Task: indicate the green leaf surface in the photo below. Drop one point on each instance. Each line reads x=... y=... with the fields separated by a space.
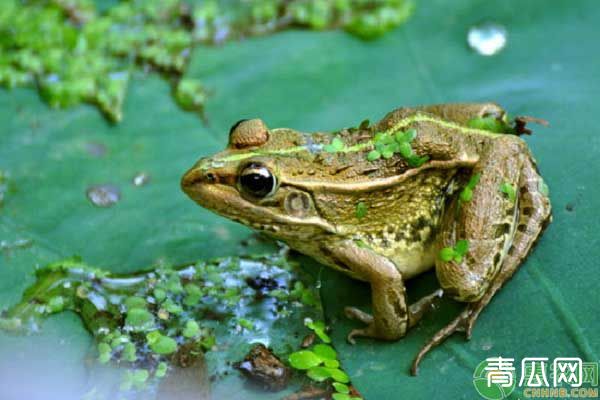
x=316 y=81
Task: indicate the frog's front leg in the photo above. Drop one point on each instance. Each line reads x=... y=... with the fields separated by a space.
x=391 y=316
x=500 y=231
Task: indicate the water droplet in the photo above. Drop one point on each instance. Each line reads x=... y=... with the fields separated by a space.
x=487 y=39
x=141 y=179
x=104 y=195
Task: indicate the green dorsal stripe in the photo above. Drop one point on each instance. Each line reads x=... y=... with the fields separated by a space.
x=403 y=123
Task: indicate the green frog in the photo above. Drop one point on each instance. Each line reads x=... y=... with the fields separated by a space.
x=451 y=187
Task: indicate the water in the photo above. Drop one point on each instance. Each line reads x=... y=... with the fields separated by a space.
x=141 y=179
x=487 y=39
x=104 y=195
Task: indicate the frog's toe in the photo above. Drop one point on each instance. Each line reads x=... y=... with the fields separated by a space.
x=358 y=315
x=368 y=331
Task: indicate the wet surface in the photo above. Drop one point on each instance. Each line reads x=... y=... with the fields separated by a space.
x=105 y=195
x=158 y=325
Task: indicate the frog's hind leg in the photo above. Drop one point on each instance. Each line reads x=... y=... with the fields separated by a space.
x=535 y=214
x=500 y=233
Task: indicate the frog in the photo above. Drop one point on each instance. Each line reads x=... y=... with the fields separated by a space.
x=426 y=187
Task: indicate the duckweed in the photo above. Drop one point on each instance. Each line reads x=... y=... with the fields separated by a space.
x=161 y=344
x=491 y=124
x=455 y=253
x=335 y=146
x=361 y=210
x=318 y=328
x=321 y=364
x=509 y=191
x=139 y=321
x=74 y=53
x=467 y=193
x=388 y=144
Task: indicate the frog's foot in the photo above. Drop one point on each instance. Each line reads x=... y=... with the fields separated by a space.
x=369 y=331
x=359 y=315
x=419 y=308
x=460 y=324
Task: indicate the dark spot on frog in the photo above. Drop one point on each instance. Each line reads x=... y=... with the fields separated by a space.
x=570 y=206
x=264 y=368
x=501 y=229
x=527 y=210
x=421 y=223
x=497 y=258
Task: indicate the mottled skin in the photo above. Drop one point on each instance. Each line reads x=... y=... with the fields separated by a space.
x=412 y=213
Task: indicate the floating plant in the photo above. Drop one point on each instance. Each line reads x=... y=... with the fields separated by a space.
x=143 y=322
x=74 y=53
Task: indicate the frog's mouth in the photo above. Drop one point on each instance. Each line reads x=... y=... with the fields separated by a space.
x=222 y=197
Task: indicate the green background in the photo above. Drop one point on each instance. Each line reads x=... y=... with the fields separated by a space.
x=319 y=81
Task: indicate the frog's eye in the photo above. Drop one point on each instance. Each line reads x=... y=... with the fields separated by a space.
x=257 y=181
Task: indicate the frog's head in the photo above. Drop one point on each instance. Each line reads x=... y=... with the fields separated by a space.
x=252 y=181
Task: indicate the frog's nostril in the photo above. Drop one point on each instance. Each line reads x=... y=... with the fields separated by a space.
x=209 y=177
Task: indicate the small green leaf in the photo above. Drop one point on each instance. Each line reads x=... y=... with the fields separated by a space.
x=325 y=351
x=410 y=135
x=361 y=210
x=245 y=323
x=56 y=304
x=336 y=145
x=490 y=124
x=135 y=302
x=341 y=388
x=159 y=294
x=341 y=396
x=103 y=358
x=509 y=190
x=466 y=195
x=332 y=363
x=319 y=328
x=191 y=329
x=319 y=374
x=161 y=370
x=161 y=344
x=378 y=136
x=446 y=254
x=405 y=150
x=104 y=348
x=139 y=319
x=474 y=180
x=387 y=153
x=416 y=161
x=461 y=247
x=339 y=375
x=373 y=155
x=129 y=352
x=304 y=359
